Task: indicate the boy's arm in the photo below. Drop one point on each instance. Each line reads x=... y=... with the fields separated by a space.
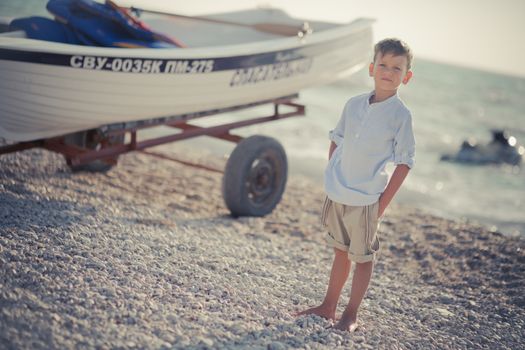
x=399 y=175
x=333 y=146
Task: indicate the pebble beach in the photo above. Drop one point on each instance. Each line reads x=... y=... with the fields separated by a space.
x=147 y=256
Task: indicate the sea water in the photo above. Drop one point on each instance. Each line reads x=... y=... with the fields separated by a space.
x=449 y=104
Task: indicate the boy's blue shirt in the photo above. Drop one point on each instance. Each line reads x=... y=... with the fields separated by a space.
x=368 y=137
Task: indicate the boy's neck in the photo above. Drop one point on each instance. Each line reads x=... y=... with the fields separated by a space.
x=380 y=96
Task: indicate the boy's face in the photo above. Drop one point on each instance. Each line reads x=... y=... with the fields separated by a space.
x=389 y=71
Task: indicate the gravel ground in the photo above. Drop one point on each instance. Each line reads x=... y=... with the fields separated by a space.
x=146 y=256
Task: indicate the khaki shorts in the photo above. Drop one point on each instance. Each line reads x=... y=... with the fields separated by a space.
x=352 y=229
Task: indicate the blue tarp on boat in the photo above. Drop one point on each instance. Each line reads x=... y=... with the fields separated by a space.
x=86 y=22
x=42 y=28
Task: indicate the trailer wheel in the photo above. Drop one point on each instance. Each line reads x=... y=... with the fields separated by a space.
x=255 y=176
x=91 y=140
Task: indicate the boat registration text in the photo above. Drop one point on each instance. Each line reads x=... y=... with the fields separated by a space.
x=241 y=76
x=130 y=65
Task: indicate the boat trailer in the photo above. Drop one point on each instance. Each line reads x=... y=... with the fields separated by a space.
x=255 y=174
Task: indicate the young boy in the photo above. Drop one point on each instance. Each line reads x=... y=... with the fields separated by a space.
x=374 y=129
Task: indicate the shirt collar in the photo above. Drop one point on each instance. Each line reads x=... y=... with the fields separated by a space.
x=382 y=103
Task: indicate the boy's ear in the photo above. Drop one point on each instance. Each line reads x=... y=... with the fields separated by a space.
x=371 y=69
x=407 y=77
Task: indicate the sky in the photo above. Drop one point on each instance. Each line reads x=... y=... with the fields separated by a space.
x=481 y=34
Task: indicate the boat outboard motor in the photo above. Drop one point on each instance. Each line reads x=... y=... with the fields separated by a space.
x=508 y=149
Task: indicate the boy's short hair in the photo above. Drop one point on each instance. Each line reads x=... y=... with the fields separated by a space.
x=394 y=46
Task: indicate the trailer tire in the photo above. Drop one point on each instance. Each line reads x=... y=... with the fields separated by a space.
x=255 y=176
x=90 y=140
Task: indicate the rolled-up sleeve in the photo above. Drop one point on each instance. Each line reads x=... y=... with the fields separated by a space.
x=336 y=135
x=405 y=144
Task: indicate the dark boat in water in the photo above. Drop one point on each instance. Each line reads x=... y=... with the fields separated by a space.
x=503 y=149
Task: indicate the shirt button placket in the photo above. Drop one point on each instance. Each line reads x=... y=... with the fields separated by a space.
x=362 y=124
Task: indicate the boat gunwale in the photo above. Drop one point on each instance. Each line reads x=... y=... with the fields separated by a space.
x=244 y=49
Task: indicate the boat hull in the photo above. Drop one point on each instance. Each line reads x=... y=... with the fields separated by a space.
x=51 y=89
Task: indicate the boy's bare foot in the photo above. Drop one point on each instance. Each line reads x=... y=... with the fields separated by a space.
x=347 y=324
x=320 y=310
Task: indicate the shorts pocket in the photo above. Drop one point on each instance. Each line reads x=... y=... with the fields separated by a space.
x=324 y=212
x=372 y=241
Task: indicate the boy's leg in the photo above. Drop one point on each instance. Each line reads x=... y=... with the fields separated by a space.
x=360 y=282
x=338 y=276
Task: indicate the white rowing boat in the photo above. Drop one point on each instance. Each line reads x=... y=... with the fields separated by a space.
x=49 y=89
